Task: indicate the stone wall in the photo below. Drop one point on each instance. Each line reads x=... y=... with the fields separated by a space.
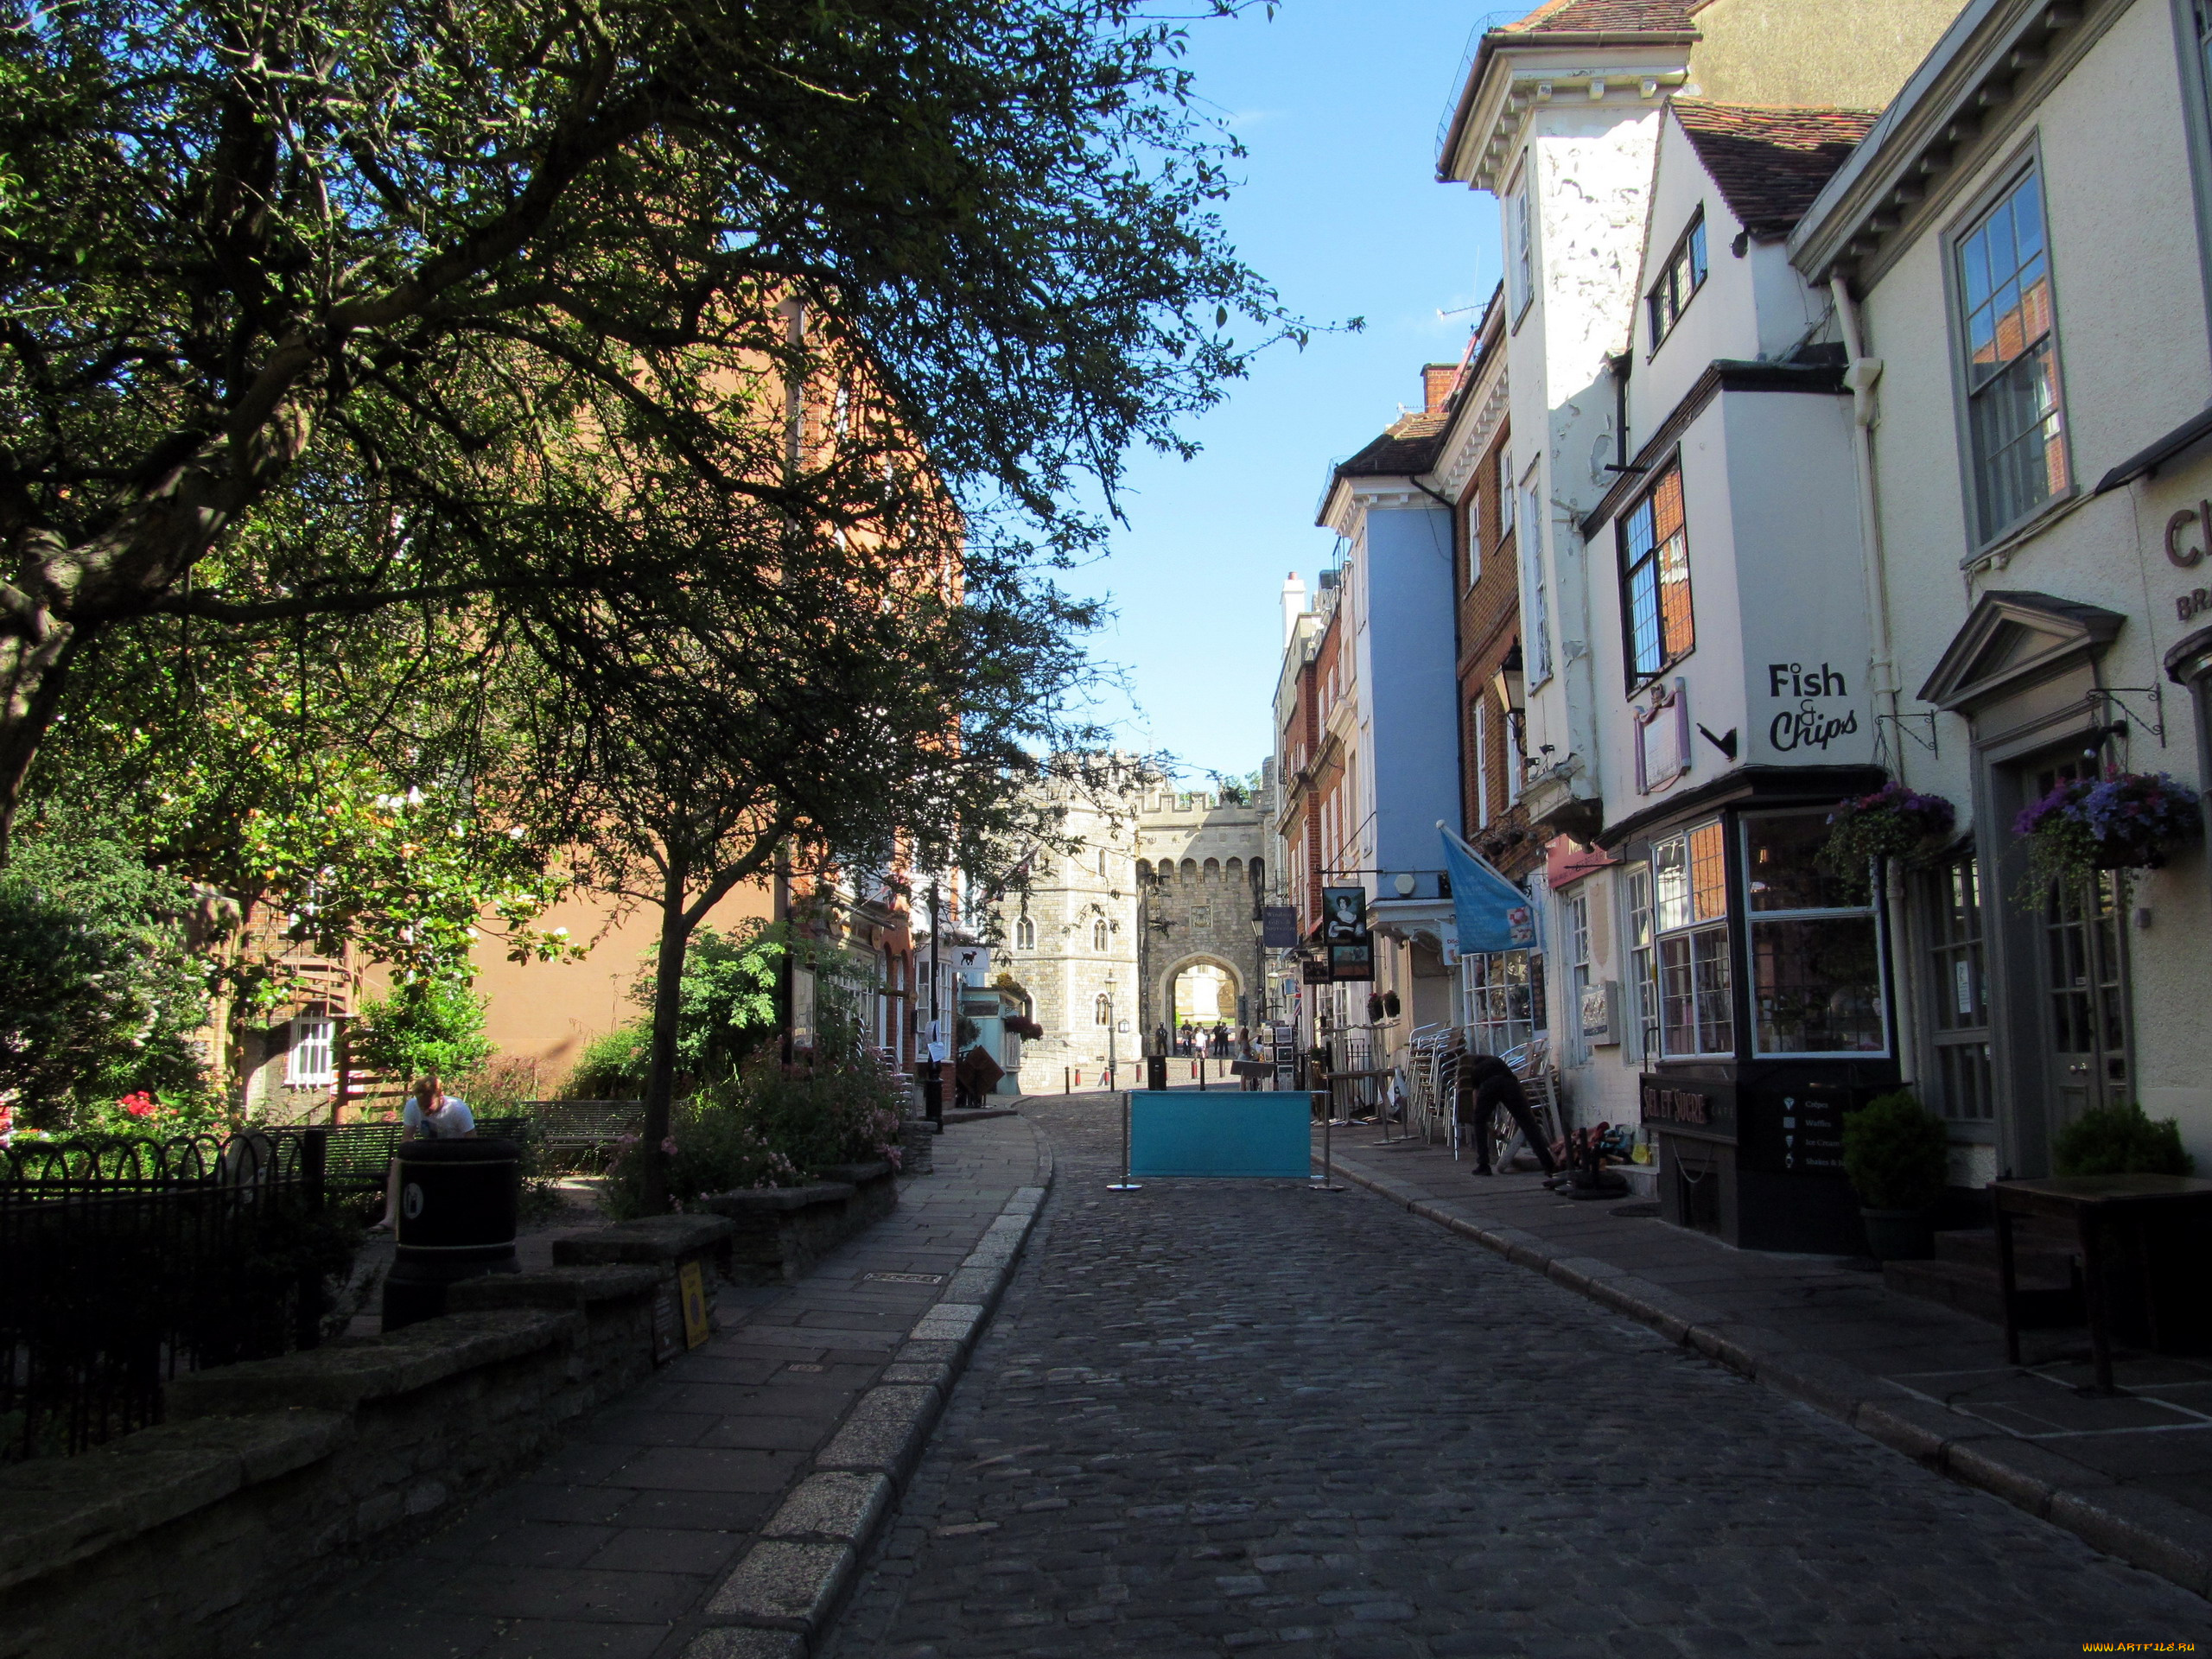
x=1202 y=871
x=1049 y=944
x=271 y=1478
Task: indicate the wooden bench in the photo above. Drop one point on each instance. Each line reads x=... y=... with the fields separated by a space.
x=570 y=1126
x=357 y=1155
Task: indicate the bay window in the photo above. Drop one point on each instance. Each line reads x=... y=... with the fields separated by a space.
x=1816 y=955
x=1689 y=877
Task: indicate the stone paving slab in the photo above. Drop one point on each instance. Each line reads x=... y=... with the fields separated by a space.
x=685 y=1517
x=2130 y=1472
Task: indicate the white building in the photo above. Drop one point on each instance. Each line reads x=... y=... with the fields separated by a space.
x=2023 y=239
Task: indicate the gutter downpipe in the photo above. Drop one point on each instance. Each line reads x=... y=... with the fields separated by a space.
x=1863 y=374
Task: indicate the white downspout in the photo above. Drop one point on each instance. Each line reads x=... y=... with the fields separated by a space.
x=1862 y=375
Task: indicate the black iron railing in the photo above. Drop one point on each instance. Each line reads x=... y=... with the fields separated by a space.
x=124 y=1262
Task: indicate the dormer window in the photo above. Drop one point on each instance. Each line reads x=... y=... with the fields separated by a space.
x=1683 y=275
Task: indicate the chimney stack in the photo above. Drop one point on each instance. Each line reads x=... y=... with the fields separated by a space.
x=1437 y=380
x=1293 y=607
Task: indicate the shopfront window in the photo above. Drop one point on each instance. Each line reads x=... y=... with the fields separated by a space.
x=1506 y=999
x=1690 y=882
x=1816 y=967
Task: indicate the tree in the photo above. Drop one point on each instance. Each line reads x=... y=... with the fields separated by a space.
x=322 y=784
x=857 y=700
x=97 y=991
x=299 y=254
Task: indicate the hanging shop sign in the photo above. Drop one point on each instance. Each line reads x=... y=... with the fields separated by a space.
x=1279 y=927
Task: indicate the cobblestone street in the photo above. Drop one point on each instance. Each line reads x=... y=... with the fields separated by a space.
x=1219 y=1418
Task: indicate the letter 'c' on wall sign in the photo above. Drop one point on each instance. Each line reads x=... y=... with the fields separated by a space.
x=2178 y=529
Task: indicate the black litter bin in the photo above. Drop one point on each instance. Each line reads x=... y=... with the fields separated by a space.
x=457 y=1202
x=1155 y=1071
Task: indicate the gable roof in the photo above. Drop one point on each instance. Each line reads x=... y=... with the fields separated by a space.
x=1606 y=17
x=1770 y=161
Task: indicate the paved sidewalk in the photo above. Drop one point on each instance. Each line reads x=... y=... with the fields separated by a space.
x=2130 y=1473
x=611 y=1546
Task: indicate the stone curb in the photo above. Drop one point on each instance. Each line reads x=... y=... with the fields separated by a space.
x=2139 y=1526
x=780 y=1597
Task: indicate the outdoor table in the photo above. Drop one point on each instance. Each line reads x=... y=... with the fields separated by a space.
x=2093 y=1204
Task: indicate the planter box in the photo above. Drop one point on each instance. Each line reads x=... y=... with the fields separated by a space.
x=781 y=1231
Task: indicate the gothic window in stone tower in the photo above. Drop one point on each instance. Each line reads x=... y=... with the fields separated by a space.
x=1025 y=935
x=1102 y=1012
x=1098 y=936
x=1101 y=861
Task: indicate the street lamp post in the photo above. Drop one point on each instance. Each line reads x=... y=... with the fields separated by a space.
x=1111 y=1015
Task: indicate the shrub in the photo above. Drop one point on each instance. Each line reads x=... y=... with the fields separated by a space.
x=762 y=1128
x=611 y=1067
x=98 y=995
x=425 y=1025
x=502 y=1086
x=2121 y=1141
x=1895 y=1153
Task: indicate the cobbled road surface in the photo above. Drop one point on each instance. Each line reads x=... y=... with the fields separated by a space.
x=1235 y=1418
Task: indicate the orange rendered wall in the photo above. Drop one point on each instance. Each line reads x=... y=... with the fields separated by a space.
x=547 y=1011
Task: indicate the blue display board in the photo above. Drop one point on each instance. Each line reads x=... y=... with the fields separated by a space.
x=1224 y=1134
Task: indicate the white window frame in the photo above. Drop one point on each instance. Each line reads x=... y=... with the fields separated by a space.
x=1986 y=531
x=311 y=1052
x=1474 y=521
x=1521 y=239
x=1535 y=584
x=1506 y=486
x=1642 y=959
x=1754 y=918
x=1578 y=965
x=1692 y=257
x=1480 y=704
x=1693 y=929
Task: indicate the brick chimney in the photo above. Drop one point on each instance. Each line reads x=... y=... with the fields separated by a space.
x=1437 y=380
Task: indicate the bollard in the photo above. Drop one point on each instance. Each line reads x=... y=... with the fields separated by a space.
x=1125 y=1184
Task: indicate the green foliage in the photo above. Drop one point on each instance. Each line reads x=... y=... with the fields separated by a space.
x=1895 y=1153
x=98 y=992
x=611 y=1066
x=727 y=998
x=425 y=1025
x=396 y=261
x=761 y=1128
x=2121 y=1141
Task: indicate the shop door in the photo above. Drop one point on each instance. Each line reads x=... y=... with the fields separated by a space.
x=2083 y=969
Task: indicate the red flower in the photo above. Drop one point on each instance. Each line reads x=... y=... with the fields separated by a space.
x=140 y=1104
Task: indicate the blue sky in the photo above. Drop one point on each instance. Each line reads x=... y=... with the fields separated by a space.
x=1339 y=105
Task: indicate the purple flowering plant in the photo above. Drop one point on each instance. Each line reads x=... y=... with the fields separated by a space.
x=1893 y=822
x=2124 y=821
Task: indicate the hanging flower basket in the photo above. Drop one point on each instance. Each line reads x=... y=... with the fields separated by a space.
x=1893 y=822
x=2129 y=821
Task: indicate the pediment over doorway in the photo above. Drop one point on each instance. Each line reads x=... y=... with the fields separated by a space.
x=2015 y=638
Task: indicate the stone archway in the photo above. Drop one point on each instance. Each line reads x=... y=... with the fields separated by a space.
x=1164 y=1000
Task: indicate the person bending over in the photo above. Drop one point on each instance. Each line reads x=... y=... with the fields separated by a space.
x=1486 y=1083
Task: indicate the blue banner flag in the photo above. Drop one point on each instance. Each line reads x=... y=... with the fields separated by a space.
x=1492 y=914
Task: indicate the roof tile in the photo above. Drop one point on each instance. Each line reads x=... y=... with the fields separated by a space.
x=1607 y=17
x=1770 y=161
x=1409 y=446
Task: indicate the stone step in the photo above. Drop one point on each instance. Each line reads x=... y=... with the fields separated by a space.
x=2046 y=1298
x=2034 y=1250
